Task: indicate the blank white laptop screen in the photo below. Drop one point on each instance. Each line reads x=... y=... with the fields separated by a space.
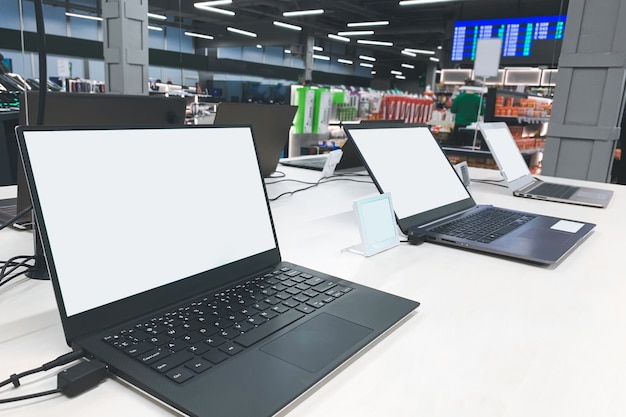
x=505 y=150
x=108 y=195
x=409 y=164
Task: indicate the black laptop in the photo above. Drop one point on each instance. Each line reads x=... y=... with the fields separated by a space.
x=350 y=160
x=202 y=315
x=270 y=125
x=432 y=203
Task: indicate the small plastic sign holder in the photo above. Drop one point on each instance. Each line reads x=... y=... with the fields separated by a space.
x=377 y=225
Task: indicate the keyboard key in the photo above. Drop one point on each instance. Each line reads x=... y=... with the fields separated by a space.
x=180 y=375
x=198 y=364
x=230 y=348
x=153 y=355
x=172 y=361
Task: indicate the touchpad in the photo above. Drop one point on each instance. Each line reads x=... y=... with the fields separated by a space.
x=314 y=344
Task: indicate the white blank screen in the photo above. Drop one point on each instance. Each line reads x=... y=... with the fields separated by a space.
x=408 y=163
x=134 y=209
x=506 y=152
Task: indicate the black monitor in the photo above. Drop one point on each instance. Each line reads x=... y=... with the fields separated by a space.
x=81 y=109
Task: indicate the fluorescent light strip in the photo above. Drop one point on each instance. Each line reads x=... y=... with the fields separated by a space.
x=83 y=16
x=373 y=72
x=157 y=16
x=409 y=66
x=379 y=43
x=418 y=2
x=216 y=10
x=303 y=12
x=259 y=46
x=198 y=35
x=405 y=52
x=202 y=4
x=432 y=58
x=287 y=51
x=286 y=25
x=345 y=61
x=367 y=58
x=338 y=38
x=361 y=24
x=365 y=64
x=356 y=33
x=241 y=32
x=420 y=51
x=158 y=29
x=321 y=57
x=394 y=72
x=400 y=77
x=318 y=48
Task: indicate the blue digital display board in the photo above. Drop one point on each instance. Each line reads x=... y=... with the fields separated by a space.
x=519 y=35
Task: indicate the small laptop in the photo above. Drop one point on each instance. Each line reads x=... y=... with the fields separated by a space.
x=350 y=159
x=431 y=203
x=203 y=315
x=270 y=124
x=522 y=183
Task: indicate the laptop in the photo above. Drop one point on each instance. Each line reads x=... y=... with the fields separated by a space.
x=522 y=183
x=432 y=204
x=204 y=316
x=350 y=160
x=270 y=124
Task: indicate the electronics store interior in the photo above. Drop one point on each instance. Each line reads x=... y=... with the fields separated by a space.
x=285 y=208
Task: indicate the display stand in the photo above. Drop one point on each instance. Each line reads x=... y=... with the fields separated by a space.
x=377 y=225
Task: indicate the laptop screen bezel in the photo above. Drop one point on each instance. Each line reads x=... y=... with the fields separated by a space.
x=108 y=315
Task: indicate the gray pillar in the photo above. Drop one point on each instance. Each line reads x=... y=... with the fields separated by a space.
x=126 y=46
x=431 y=75
x=308 y=58
x=587 y=107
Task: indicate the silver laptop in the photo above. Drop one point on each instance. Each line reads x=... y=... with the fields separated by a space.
x=203 y=316
x=432 y=204
x=523 y=184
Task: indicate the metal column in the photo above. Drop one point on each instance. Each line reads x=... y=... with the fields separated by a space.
x=126 y=46
x=589 y=95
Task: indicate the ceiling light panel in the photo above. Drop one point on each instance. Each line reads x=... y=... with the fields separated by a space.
x=338 y=38
x=286 y=25
x=199 y=35
x=356 y=33
x=378 y=43
x=241 y=32
x=366 y=24
x=303 y=12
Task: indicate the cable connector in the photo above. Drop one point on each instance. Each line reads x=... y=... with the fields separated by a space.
x=81 y=377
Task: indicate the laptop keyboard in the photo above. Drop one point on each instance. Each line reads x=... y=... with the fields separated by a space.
x=486 y=225
x=554 y=190
x=309 y=163
x=190 y=339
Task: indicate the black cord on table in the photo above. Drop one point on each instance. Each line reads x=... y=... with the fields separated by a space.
x=16 y=217
x=29 y=396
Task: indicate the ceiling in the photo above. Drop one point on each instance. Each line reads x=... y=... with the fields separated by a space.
x=427 y=26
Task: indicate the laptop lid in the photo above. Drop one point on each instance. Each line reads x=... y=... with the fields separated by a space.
x=270 y=124
x=207 y=223
x=403 y=160
x=506 y=154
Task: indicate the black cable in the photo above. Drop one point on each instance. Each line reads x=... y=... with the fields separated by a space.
x=322 y=180
x=16 y=217
x=5 y=275
x=29 y=396
x=61 y=360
